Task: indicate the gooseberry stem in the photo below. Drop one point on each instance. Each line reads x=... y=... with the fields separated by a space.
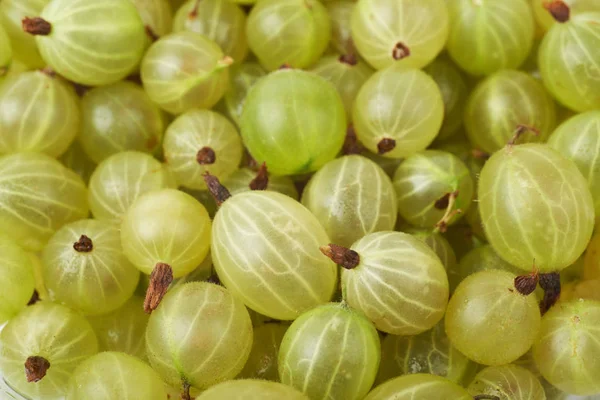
x=520 y=131
x=448 y=200
x=342 y=256
x=261 y=181
x=35 y=297
x=217 y=191
x=160 y=280
x=185 y=392
x=550 y=282
x=36 y=368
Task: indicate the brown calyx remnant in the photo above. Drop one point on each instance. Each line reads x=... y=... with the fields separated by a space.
x=520 y=131
x=386 y=145
x=36 y=368
x=559 y=9
x=351 y=143
x=485 y=397
x=286 y=66
x=36 y=26
x=151 y=34
x=526 y=284
x=349 y=59
x=217 y=191
x=83 y=245
x=194 y=12
x=448 y=200
x=400 y=51
x=160 y=279
x=185 y=392
x=261 y=181
x=35 y=297
x=550 y=282
x=342 y=256
x=206 y=156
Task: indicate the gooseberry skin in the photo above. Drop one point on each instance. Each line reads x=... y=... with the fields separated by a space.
x=219 y=20
x=92 y=43
x=379 y=25
x=296 y=33
x=419 y=386
x=535 y=205
x=352 y=197
x=294 y=121
x=330 y=352
x=507 y=27
x=578 y=139
x=38 y=113
x=569 y=61
x=340 y=14
x=156 y=15
x=38 y=195
x=112 y=375
x=117 y=118
x=262 y=362
x=185 y=70
x=77 y=161
x=501 y=103
x=242 y=78
x=251 y=389
x=265 y=249
x=424 y=178
x=61 y=336
x=546 y=21
x=166 y=226
x=16 y=279
x=487 y=313
x=193 y=131
x=199 y=334
x=239 y=182
x=401 y=104
x=400 y=284
x=507 y=382
x=438 y=244
x=94 y=282
x=567 y=351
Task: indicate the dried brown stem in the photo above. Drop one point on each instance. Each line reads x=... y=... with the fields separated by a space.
x=349 y=59
x=261 y=181
x=194 y=12
x=342 y=256
x=217 y=191
x=151 y=34
x=36 y=368
x=386 y=145
x=442 y=224
x=559 y=9
x=185 y=391
x=35 y=297
x=550 y=282
x=480 y=154
x=351 y=143
x=160 y=279
x=400 y=51
x=36 y=26
x=520 y=131
x=526 y=284
x=206 y=156
x=83 y=245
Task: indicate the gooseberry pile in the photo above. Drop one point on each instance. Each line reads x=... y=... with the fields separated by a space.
x=299 y=199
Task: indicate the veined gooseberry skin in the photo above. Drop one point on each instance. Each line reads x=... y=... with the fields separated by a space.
x=111 y=375
x=239 y=182
x=507 y=382
x=487 y=313
x=124 y=329
x=193 y=132
x=166 y=226
x=419 y=386
x=330 y=352
x=567 y=351
x=39 y=113
x=410 y=33
x=476 y=26
x=501 y=103
x=400 y=284
x=200 y=334
x=535 y=205
x=24 y=45
x=117 y=118
x=122 y=178
x=262 y=362
x=185 y=70
x=401 y=104
x=583 y=289
x=424 y=178
x=78 y=161
x=569 y=61
x=92 y=43
x=546 y=21
x=93 y=275
x=6 y=53
x=351 y=196
x=346 y=74
x=38 y=195
x=340 y=15
x=251 y=389
x=438 y=244
x=297 y=32
x=61 y=336
x=454 y=90
x=265 y=249
x=294 y=121
x=578 y=139
x=219 y=20
x=242 y=78
x=156 y=15
x=17 y=279
x=429 y=352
